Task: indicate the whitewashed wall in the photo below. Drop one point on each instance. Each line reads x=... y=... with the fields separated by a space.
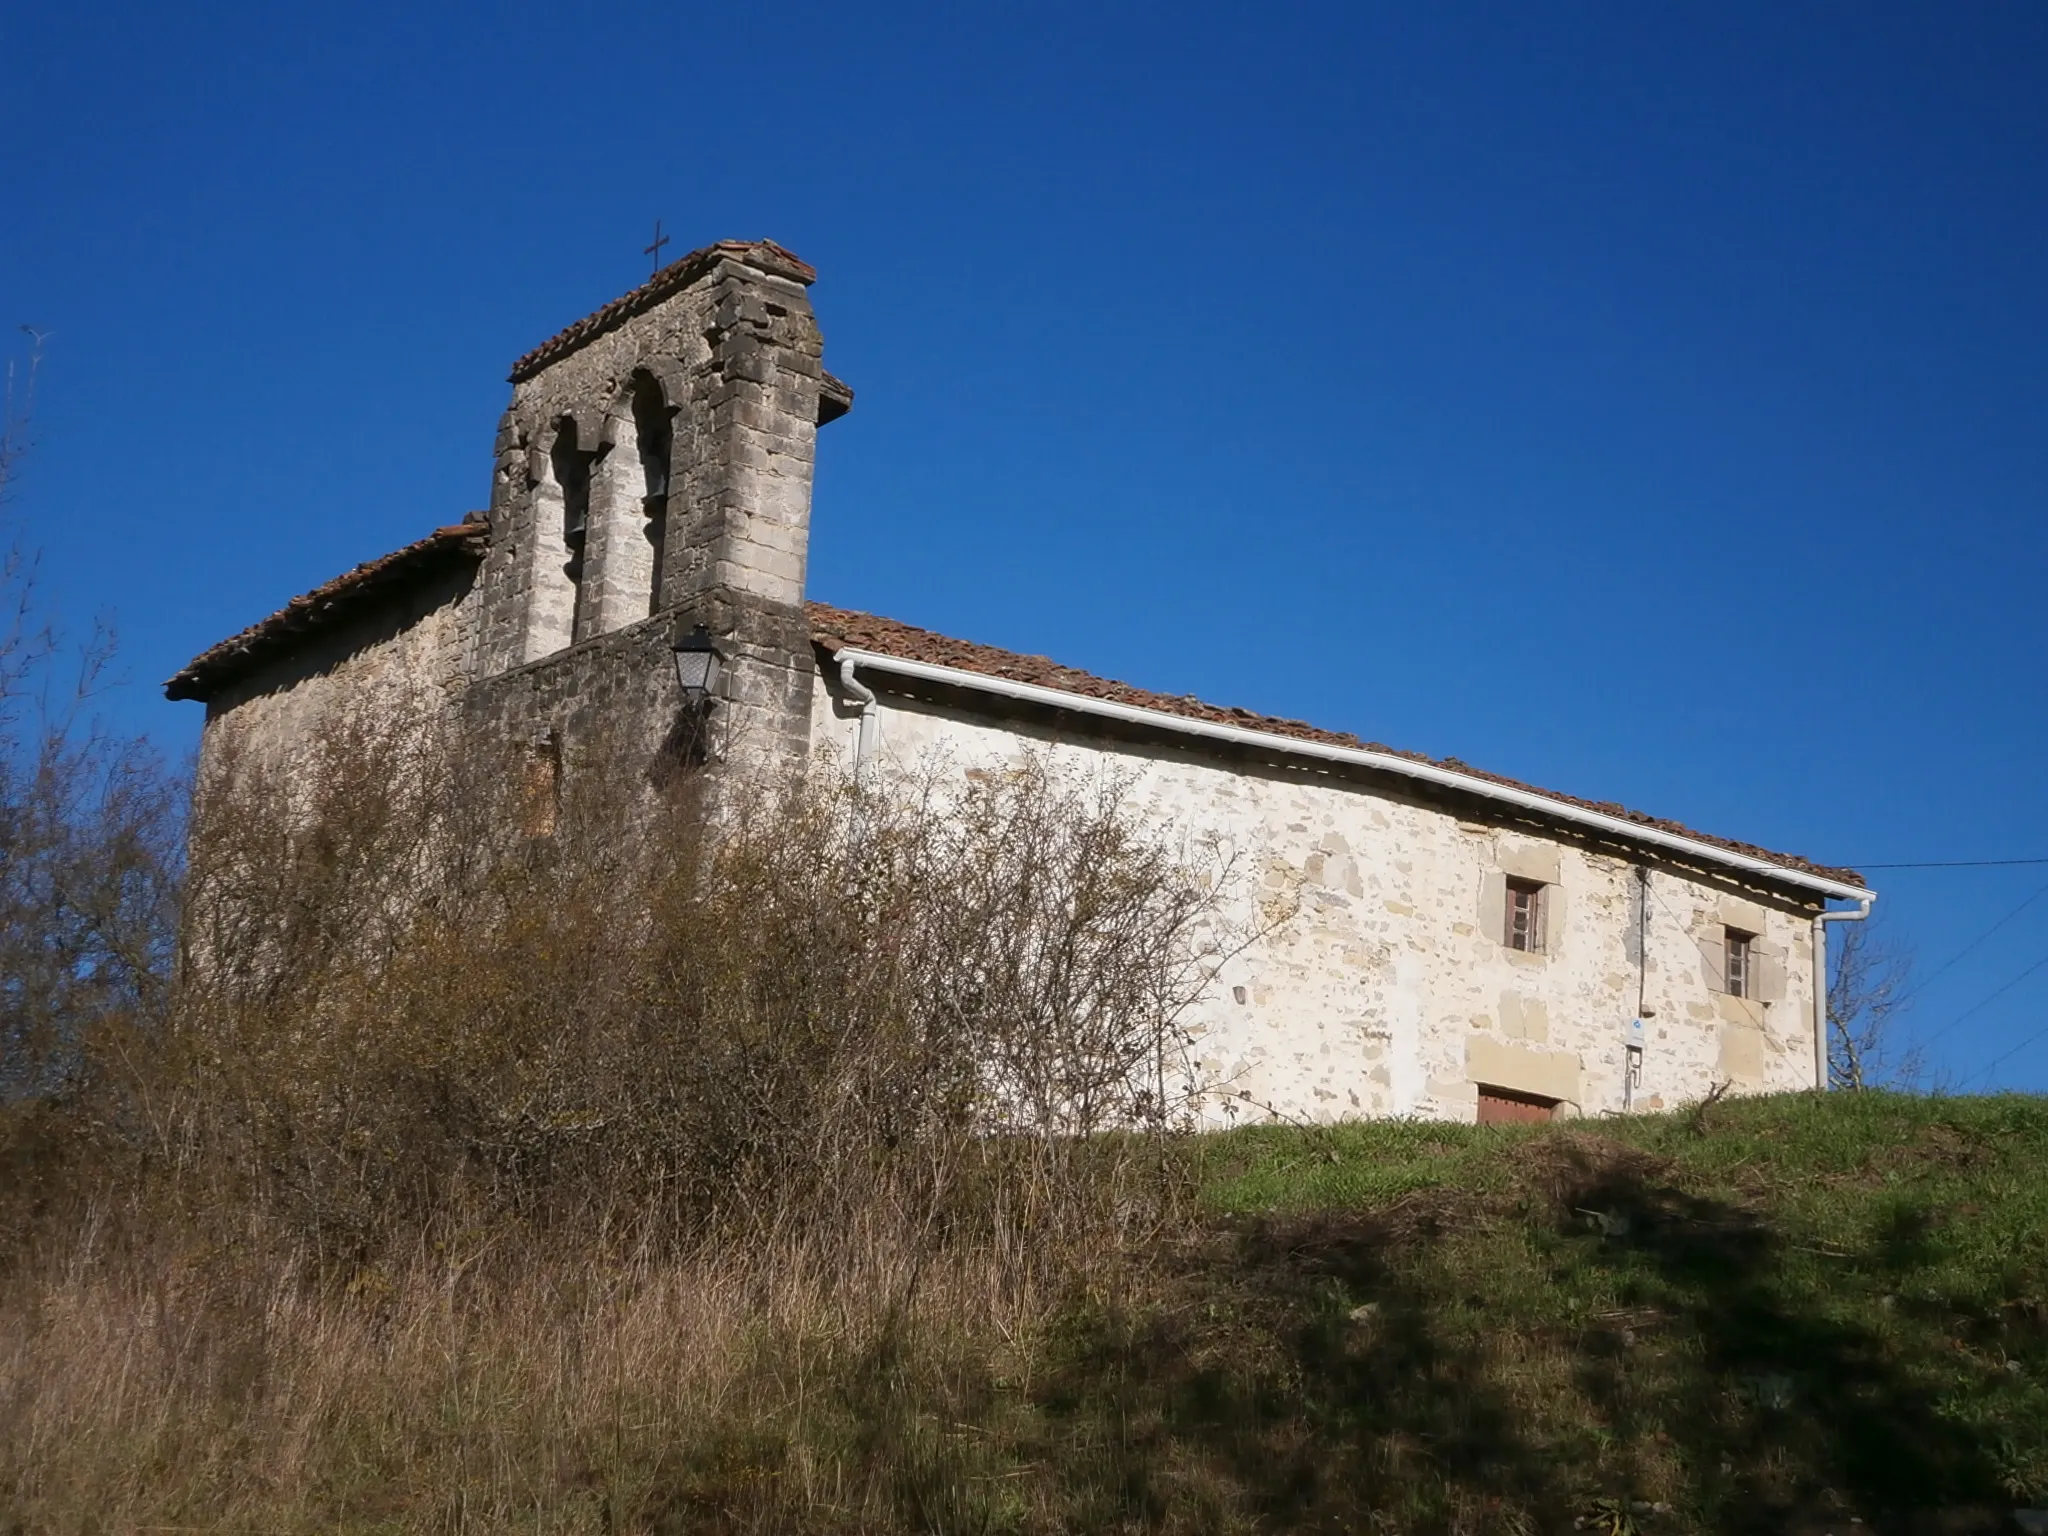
x=1389 y=991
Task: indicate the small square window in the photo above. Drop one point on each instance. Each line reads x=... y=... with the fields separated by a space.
x=1524 y=926
x=1741 y=963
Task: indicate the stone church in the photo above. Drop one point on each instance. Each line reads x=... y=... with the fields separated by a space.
x=1463 y=946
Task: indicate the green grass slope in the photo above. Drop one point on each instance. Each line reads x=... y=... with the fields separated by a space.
x=1771 y=1314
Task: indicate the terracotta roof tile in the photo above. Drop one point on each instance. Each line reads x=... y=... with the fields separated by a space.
x=345 y=596
x=837 y=628
x=764 y=254
x=834 y=629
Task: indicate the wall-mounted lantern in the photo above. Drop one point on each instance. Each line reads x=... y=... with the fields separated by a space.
x=698 y=665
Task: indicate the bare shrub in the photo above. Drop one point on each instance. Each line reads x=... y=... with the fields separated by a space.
x=514 y=1140
x=90 y=852
x=1869 y=985
x=402 y=1001
x=89 y=868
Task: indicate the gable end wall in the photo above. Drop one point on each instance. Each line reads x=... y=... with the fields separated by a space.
x=411 y=654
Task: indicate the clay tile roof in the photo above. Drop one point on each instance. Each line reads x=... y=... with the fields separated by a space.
x=346 y=595
x=835 y=629
x=763 y=254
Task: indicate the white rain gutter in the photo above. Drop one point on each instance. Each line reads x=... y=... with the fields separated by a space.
x=1386 y=762
x=1820 y=982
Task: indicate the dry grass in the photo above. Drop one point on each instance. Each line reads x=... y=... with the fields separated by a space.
x=473 y=1387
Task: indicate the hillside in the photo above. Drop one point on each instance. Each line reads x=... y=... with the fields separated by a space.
x=1771 y=1315
x=1781 y=1308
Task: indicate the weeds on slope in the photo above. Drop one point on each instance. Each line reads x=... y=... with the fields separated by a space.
x=503 y=1141
x=816 y=1166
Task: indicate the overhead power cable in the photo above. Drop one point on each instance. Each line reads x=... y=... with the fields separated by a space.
x=1950 y=864
x=1998 y=1061
x=1921 y=985
x=1978 y=1007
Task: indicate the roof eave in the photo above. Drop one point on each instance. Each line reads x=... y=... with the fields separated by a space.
x=1613 y=826
x=762 y=255
x=239 y=654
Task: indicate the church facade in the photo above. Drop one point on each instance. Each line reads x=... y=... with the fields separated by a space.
x=1455 y=945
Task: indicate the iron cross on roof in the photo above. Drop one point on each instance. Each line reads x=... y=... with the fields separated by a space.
x=654 y=250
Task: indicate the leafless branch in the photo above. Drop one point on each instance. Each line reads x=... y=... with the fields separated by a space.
x=1868 y=983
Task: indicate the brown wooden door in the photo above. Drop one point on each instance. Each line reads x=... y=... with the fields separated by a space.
x=1501 y=1106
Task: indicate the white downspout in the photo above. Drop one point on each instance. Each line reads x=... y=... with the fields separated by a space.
x=864 y=743
x=1820 y=984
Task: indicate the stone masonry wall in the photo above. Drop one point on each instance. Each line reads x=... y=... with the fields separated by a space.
x=617 y=692
x=1390 y=991
x=562 y=637
x=736 y=358
x=414 y=654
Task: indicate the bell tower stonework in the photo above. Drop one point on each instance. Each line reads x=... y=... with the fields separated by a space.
x=653 y=474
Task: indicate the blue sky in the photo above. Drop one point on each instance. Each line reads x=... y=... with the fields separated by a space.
x=1646 y=402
